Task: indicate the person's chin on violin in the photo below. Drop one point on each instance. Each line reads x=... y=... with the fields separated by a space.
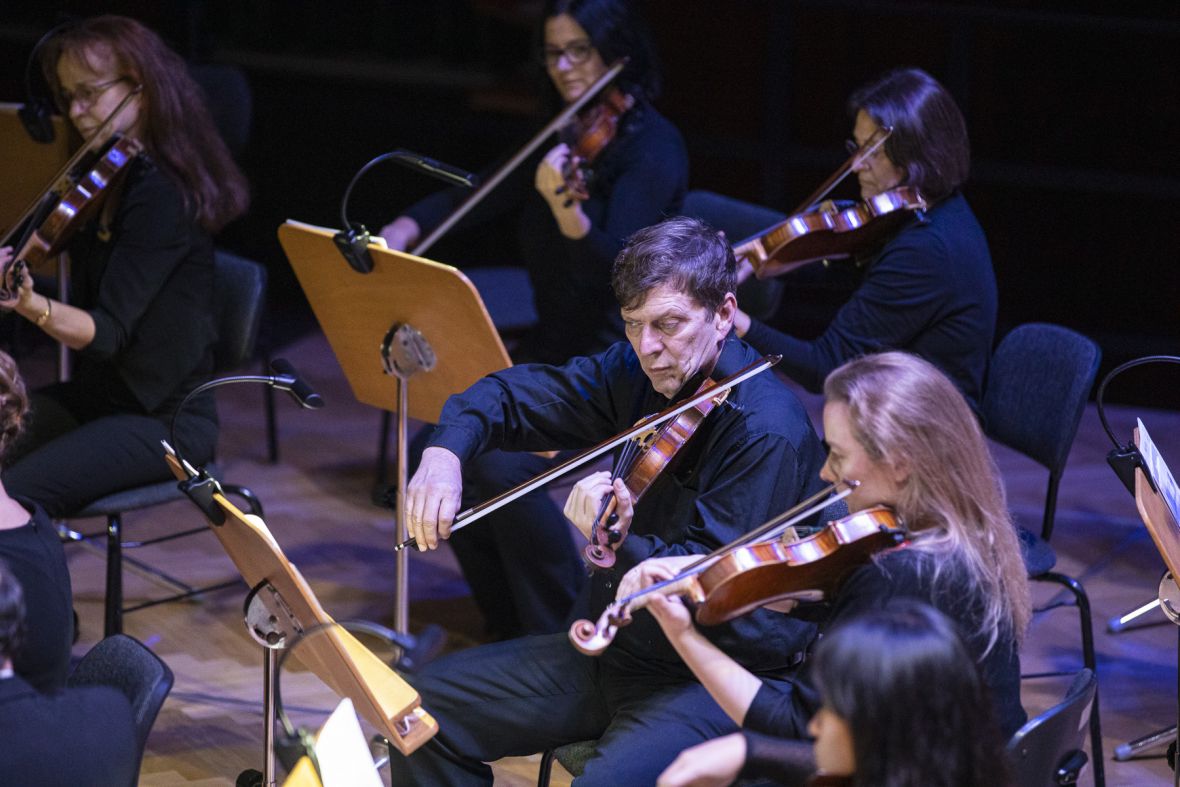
x=569 y=224
x=930 y=289
x=141 y=307
x=523 y=567
x=897 y=425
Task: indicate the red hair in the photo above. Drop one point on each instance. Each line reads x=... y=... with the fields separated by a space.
x=178 y=131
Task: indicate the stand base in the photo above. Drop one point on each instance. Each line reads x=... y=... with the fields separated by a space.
x=1146 y=743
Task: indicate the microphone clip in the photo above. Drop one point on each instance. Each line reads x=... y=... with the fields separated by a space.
x=1123 y=461
x=353 y=245
x=200 y=489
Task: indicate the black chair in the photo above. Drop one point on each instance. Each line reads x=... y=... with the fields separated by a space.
x=1037 y=386
x=124 y=663
x=240 y=287
x=1048 y=749
x=572 y=756
x=740 y=220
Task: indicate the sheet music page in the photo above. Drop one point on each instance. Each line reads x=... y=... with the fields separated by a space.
x=1159 y=472
x=343 y=753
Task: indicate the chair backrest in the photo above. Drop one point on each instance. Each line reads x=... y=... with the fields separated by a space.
x=125 y=664
x=230 y=102
x=1036 y=390
x=739 y=220
x=1048 y=748
x=239 y=292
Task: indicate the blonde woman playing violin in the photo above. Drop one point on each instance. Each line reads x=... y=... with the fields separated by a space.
x=896 y=424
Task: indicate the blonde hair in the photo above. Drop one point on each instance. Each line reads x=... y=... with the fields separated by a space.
x=14 y=403
x=906 y=414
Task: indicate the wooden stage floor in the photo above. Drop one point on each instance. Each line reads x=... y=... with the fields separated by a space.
x=318 y=506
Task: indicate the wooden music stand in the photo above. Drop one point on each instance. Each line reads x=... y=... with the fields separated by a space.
x=28 y=166
x=408 y=317
x=280 y=606
x=1158 y=499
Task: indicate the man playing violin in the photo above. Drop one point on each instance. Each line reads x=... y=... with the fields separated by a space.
x=930 y=289
x=751 y=458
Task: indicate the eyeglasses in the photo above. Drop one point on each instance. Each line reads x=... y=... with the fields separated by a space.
x=576 y=52
x=86 y=95
x=872 y=147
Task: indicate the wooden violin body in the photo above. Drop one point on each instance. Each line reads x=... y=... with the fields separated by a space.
x=654 y=451
x=753 y=575
x=588 y=135
x=79 y=203
x=830 y=231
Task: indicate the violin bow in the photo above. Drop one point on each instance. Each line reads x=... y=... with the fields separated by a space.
x=464 y=518
x=86 y=147
x=520 y=156
x=871 y=146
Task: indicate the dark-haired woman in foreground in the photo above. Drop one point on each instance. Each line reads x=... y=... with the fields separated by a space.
x=140 y=314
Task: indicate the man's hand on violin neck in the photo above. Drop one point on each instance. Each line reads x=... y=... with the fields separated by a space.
x=586 y=499
x=432 y=497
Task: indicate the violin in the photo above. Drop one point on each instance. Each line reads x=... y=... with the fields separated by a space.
x=825 y=230
x=587 y=136
x=745 y=577
x=71 y=199
x=642 y=461
x=563 y=118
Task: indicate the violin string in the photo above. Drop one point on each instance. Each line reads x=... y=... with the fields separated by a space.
x=812 y=505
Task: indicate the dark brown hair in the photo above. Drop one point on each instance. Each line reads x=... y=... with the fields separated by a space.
x=178 y=131
x=929 y=139
x=14 y=403
x=682 y=252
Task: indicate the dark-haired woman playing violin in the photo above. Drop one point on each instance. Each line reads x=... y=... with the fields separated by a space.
x=930 y=289
x=566 y=242
x=140 y=313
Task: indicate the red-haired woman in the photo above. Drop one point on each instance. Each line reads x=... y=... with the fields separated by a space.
x=140 y=313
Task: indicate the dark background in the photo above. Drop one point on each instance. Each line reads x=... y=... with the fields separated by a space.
x=1073 y=111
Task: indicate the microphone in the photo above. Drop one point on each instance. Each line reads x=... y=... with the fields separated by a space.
x=37 y=119
x=287 y=379
x=435 y=168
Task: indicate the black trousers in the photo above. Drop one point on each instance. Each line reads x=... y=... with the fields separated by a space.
x=76 y=449
x=524 y=696
x=521 y=561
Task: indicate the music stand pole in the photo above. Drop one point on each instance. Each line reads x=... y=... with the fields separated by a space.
x=429 y=322
x=404 y=353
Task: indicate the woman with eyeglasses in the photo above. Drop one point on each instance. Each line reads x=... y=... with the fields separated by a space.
x=566 y=242
x=140 y=314
x=930 y=289
x=522 y=564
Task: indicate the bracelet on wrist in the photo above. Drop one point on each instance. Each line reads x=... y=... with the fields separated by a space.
x=43 y=317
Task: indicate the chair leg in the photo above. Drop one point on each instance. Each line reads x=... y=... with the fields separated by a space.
x=113 y=609
x=1090 y=660
x=545 y=769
